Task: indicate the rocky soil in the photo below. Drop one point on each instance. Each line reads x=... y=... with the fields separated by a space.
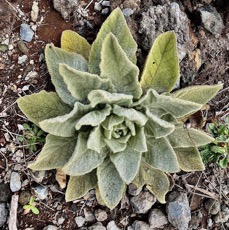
x=196 y=200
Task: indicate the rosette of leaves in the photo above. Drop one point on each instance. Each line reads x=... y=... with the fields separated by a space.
x=106 y=128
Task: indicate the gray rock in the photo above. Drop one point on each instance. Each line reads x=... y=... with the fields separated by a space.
x=66 y=7
x=61 y=220
x=22 y=59
x=80 y=221
x=157 y=218
x=106 y=3
x=97 y=226
x=127 y=12
x=97 y=6
x=100 y=215
x=133 y=190
x=178 y=210
x=38 y=176
x=105 y=11
x=142 y=202
x=3 y=214
x=50 y=227
x=158 y=19
x=112 y=226
x=89 y=216
x=5 y=192
x=212 y=206
x=140 y=225
x=211 y=19
x=26 y=33
x=41 y=192
x=15 y=182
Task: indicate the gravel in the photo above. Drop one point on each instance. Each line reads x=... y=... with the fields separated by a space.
x=15 y=182
x=142 y=202
x=3 y=214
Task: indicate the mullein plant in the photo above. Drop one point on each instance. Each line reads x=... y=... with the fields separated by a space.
x=106 y=129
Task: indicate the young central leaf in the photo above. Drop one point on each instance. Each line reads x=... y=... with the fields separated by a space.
x=116 y=66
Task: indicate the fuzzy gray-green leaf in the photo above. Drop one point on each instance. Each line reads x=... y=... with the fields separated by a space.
x=189 y=159
x=116 y=67
x=131 y=114
x=177 y=107
x=182 y=137
x=64 y=126
x=127 y=163
x=55 y=153
x=43 y=105
x=161 y=155
x=96 y=140
x=103 y=97
x=157 y=182
x=157 y=127
x=200 y=94
x=54 y=56
x=78 y=186
x=93 y=118
x=161 y=70
x=83 y=160
x=115 y=24
x=138 y=141
x=110 y=184
x=80 y=84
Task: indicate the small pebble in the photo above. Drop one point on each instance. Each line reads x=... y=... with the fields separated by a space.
x=15 y=182
x=79 y=221
x=105 y=11
x=100 y=215
x=22 y=46
x=127 y=12
x=112 y=226
x=22 y=59
x=106 y=3
x=98 y=6
x=41 y=192
x=61 y=220
x=26 y=33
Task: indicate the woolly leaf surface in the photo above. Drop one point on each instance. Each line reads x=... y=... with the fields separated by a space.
x=189 y=159
x=157 y=182
x=161 y=70
x=83 y=160
x=177 y=107
x=116 y=67
x=73 y=42
x=103 y=97
x=182 y=137
x=96 y=140
x=127 y=163
x=131 y=114
x=93 y=118
x=43 y=105
x=161 y=155
x=157 y=127
x=199 y=94
x=54 y=56
x=80 y=84
x=55 y=153
x=65 y=125
x=115 y=24
x=138 y=141
x=110 y=184
x=78 y=186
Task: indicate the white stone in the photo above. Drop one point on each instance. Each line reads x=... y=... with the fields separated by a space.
x=15 y=182
x=80 y=221
x=22 y=59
